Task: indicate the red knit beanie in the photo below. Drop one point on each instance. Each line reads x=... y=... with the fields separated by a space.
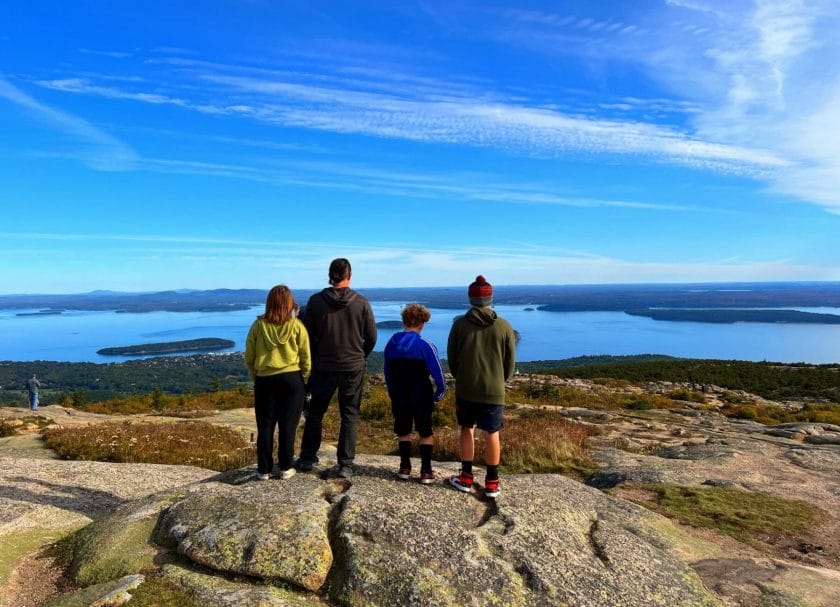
x=480 y=292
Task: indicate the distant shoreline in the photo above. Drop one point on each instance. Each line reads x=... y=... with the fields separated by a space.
x=733 y=316
x=171 y=347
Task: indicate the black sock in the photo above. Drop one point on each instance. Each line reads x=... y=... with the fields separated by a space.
x=492 y=473
x=466 y=466
x=425 y=458
x=405 y=454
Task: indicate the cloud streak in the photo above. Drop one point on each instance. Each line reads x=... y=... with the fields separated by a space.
x=453 y=117
x=90 y=144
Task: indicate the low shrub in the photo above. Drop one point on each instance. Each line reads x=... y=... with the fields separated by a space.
x=191 y=443
x=688 y=395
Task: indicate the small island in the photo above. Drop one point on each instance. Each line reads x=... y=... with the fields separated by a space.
x=171 y=347
x=389 y=324
x=48 y=312
x=729 y=315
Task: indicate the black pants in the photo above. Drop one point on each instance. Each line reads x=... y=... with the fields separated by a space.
x=322 y=386
x=278 y=401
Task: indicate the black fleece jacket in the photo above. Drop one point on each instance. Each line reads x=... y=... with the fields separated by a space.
x=342 y=330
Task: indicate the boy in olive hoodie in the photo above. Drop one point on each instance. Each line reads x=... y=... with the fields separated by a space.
x=481 y=352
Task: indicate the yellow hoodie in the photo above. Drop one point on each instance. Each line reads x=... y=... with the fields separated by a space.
x=272 y=349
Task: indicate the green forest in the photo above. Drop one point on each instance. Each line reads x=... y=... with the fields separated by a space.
x=93 y=382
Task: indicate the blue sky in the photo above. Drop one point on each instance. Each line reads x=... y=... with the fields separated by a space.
x=153 y=145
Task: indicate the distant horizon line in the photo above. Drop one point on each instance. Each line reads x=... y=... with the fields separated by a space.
x=458 y=286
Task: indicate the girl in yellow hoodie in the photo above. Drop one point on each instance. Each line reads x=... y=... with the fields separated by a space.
x=277 y=356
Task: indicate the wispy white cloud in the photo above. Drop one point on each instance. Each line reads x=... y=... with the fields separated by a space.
x=90 y=144
x=755 y=74
x=290 y=100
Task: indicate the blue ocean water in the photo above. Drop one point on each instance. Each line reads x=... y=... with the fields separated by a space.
x=75 y=336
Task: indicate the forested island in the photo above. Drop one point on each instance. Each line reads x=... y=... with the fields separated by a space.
x=389 y=324
x=726 y=316
x=190 y=345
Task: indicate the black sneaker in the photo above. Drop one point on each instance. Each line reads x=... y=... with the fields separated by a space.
x=304 y=465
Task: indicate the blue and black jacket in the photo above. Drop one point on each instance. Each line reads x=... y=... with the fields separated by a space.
x=410 y=360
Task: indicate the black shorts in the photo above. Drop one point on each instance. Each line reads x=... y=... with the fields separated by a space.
x=487 y=417
x=412 y=414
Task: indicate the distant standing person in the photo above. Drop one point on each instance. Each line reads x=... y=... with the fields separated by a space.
x=278 y=358
x=481 y=353
x=415 y=383
x=343 y=332
x=33 y=385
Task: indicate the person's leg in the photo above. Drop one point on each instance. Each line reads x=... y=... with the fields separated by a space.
x=322 y=387
x=290 y=408
x=467 y=447
x=423 y=424
x=264 y=410
x=402 y=428
x=349 y=403
x=492 y=448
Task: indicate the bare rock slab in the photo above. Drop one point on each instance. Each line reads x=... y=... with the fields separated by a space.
x=400 y=543
x=270 y=530
x=547 y=540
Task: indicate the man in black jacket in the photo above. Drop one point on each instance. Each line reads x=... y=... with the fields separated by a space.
x=342 y=332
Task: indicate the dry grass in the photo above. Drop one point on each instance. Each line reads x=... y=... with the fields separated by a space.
x=191 y=443
x=543 y=393
x=533 y=440
x=183 y=405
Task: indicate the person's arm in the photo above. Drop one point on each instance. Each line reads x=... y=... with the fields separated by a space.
x=452 y=350
x=430 y=355
x=510 y=352
x=303 y=352
x=251 y=351
x=368 y=330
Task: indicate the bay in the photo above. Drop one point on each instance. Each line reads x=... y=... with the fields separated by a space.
x=75 y=336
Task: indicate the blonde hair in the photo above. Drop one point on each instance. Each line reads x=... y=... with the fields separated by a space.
x=280 y=305
x=414 y=315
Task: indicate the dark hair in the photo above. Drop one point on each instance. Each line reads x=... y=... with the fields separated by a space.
x=279 y=305
x=414 y=315
x=339 y=270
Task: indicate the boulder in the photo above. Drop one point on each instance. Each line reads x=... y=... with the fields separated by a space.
x=547 y=540
x=270 y=530
x=107 y=594
x=216 y=591
x=120 y=543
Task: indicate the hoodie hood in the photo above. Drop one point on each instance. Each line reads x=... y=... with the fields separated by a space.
x=483 y=317
x=275 y=335
x=338 y=298
x=403 y=343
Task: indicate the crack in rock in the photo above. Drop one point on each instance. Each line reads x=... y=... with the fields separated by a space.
x=597 y=548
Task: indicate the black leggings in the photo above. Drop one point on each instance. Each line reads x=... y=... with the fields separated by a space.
x=278 y=401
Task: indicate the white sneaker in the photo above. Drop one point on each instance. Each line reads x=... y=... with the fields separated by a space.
x=262 y=477
x=287 y=474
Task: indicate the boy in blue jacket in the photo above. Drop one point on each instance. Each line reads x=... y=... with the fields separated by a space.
x=415 y=382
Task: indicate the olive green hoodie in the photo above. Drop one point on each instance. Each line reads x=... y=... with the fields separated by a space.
x=481 y=353
x=271 y=349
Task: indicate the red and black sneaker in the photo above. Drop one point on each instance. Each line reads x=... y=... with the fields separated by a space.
x=404 y=473
x=492 y=487
x=427 y=477
x=462 y=482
